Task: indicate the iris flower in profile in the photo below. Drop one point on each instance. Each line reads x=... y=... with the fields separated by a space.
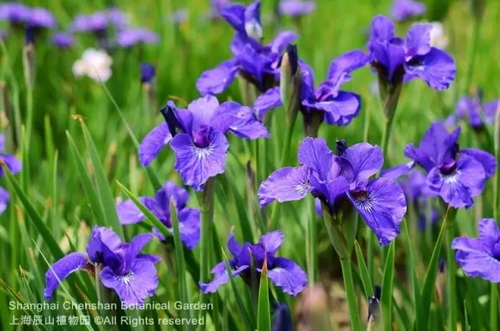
x=159 y=205
x=456 y=175
x=281 y=271
x=14 y=12
x=133 y=36
x=396 y=59
x=124 y=269
x=340 y=181
x=480 y=257
x=339 y=107
x=296 y=8
x=256 y=63
x=148 y=72
x=402 y=10
x=475 y=111
x=197 y=136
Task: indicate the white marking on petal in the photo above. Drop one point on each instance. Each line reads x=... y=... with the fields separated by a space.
x=202 y=153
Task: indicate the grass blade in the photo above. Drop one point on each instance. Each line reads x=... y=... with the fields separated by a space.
x=363 y=271
x=387 y=287
x=264 y=308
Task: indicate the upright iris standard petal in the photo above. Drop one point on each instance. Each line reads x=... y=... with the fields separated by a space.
x=197 y=164
x=271 y=241
x=61 y=270
x=418 y=39
x=315 y=154
x=382 y=206
x=235 y=15
x=240 y=120
x=479 y=257
x=134 y=286
x=217 y=80
x=341 y=67
x=286 y=184
x=153 y=143
x=288 y=275
x=366 y=160
x=436 y=68
x=382 y=29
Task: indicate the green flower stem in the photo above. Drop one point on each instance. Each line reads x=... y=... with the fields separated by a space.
x=207 y=217
x=351 y=294
x=451 y=291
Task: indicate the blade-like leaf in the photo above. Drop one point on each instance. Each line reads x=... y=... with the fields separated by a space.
x=264 y=308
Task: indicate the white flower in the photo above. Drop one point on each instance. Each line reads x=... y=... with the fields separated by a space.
x=95 y=64
x=438 y=35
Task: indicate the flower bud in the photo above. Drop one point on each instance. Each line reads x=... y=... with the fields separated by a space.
x=290 y=83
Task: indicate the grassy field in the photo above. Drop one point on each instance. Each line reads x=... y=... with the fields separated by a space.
x=78 y=143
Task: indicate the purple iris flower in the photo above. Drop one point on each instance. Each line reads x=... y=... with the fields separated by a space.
x=124 y=269
x=159 y=205
x=456 y=175
x=256 y=63
x=282 y=272
x=95 y=23
x=477 y=112
x=480 y=257
x=197 y=136
x=63 y=40
x=402 y=10
x=396 y=59
x=14 y=12
x=147 y=72
x=4 y=199
x=132 y=36
x=117 y=17
x=339 y=107
x=40 y=18
x=341 y=180
x=12 y=162
x=180 y=16
x=296 y=8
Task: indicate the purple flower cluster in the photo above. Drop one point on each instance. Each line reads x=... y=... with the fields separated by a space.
x=296 y=8
x=475 y=111
x=32 y=18
x=339 y=107
x=256 y=63
x=456 y=175
x=402 y=10
x=340 y=180
x=123 y=268
x=197 y=136
x=282 y=272
x=396 y=60
x=480 y=257
x=13 y=164
x=159 y=205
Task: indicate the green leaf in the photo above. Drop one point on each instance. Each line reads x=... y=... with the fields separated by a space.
x=264 y=308
x=95 y=203
x=35 y=218
x=103 y=187
x=363 y=271
x=387 y=287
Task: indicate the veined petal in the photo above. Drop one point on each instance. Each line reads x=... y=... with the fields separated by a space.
x=288 y=275
x=134 y=286
x=153 y=143
x=203 y=110
x=366 y=160
x=189 y=227
x=382 y=206
x=220 y=279
x=487 y=160
x=341 y=67
x=196 y=164
x=129 y=213
x=286 y=184
x=382 y=29
x=315 y=154
x=418 y=39
x=102 y=243
x=475 y=260
x=489 y=231
x=217 y=80
x=267 y=101
x=62 y=269
x=340 y=110
x=234 y=246
x=436 y=68
x=235 y=15
x=271 y=241
x=240 y=120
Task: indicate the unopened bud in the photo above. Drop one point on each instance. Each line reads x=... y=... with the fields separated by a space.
x=290 y=83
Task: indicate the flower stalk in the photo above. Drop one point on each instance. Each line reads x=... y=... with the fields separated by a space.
x=207 y=217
